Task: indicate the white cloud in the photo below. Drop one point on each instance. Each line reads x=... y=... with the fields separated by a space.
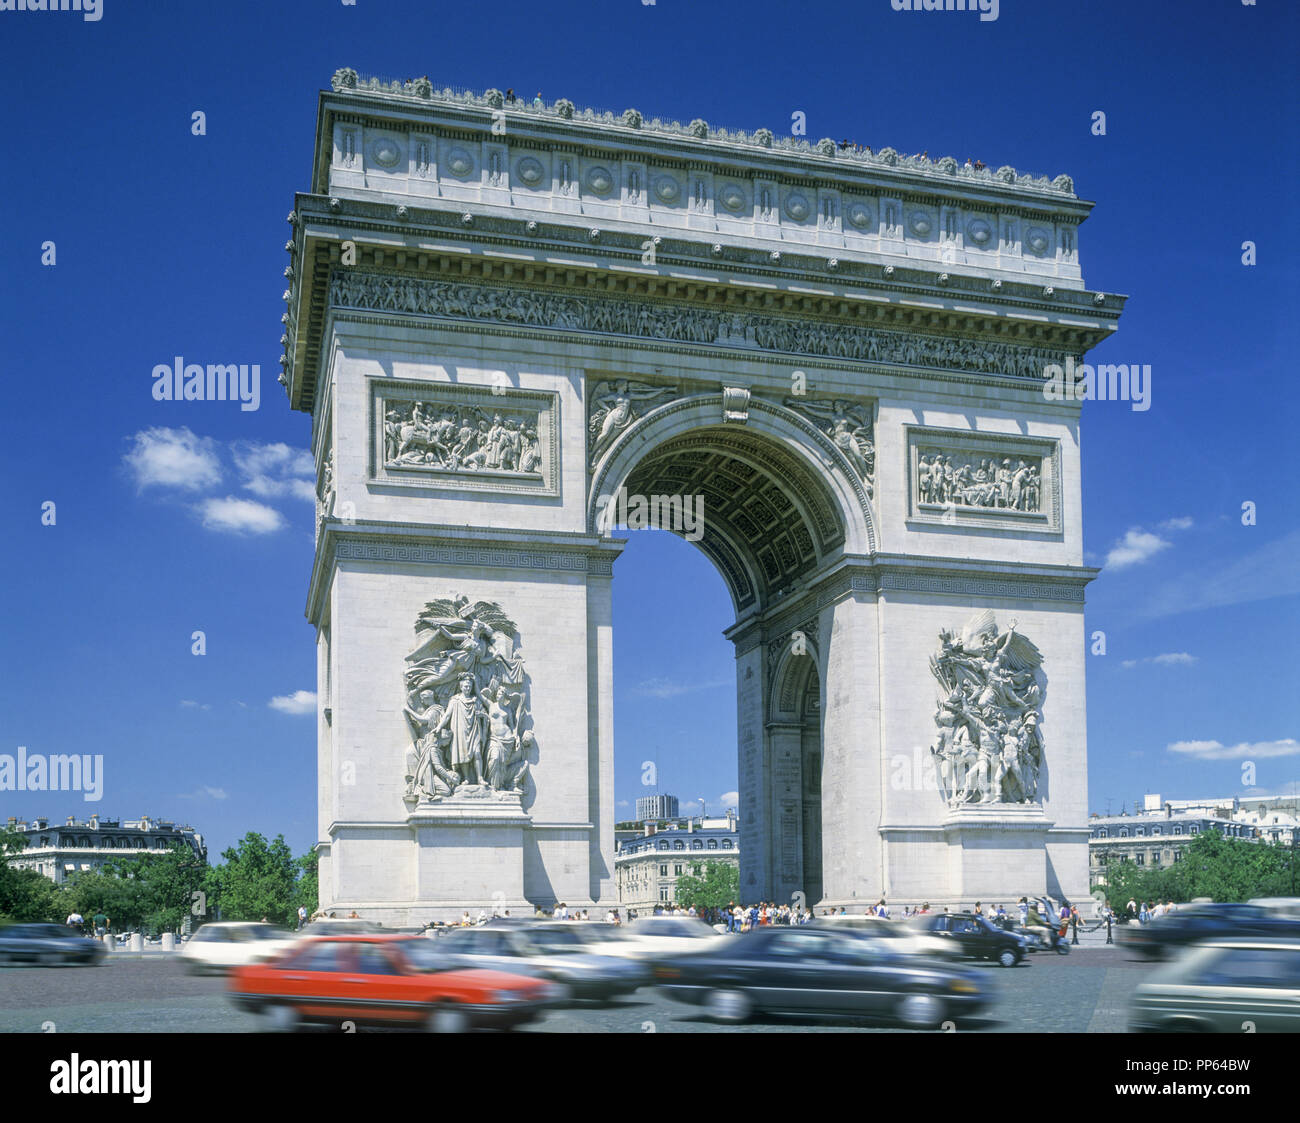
x=190 y=705
x=729 y=799
x=240 y=516
x=276 y=469
x=299 y=702
x=667 y=688
x=205 y=792
x=1136 y=546
x=623 y=803
x=1183 y=522
x=173 y=458
x=1267 y=572
x=1168 y=659
x=1246 y=750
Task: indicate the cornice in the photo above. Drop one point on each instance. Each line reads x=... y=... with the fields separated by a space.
x=437 y=544
x=696 y=142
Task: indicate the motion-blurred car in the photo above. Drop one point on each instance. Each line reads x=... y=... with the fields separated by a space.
x=385 y=980
x=1194 y=924
x=810 y=970
x=1288 y=907
x=904 y=940
x=653 y=937
x=224 y=944
x=1225 y=986
x=551 y=951
x=48 y=945
x=973 y=936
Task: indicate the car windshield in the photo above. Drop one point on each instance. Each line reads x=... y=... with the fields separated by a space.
x=557 y=941
x=424 y=956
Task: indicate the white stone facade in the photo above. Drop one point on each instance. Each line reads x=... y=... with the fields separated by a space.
x=413 y=281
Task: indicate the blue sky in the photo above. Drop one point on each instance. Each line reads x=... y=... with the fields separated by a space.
x=170 y=244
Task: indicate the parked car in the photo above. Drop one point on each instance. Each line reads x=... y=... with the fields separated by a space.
x=973 y=936
x=1193 y=924
x=48 y=945
x=222 y=944
x=385 y=980
x=810 y=970
x=907 y=940
x=551 y=951
x=1225 y=986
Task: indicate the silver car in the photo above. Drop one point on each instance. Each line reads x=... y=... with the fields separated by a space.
x=548 y=951
x=1243 y=985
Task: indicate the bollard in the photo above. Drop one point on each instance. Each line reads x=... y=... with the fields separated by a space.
x=137 y=941
x=169 y=941
x=108 y=941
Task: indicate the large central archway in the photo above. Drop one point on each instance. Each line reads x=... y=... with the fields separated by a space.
x=778 y=505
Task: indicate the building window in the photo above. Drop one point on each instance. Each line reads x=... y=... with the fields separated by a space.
x=663 y=871
x=697 y=845
x=1191 y=830
x=677 y=870
x=662 y=845
x=1123 y=832
x=679 y=845
x=1101 y=834
x=1139 y=859
x=713 y=844
x=663 y=894
x=726 y=844
x=1155 y=857
x=1178 y=855
x=1155 y=830
x=1178 y=830
x=1138 y=832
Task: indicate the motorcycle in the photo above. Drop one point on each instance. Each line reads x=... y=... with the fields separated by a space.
x=1051 y=935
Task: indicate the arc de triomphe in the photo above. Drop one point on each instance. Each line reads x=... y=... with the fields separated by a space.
x=517 y=325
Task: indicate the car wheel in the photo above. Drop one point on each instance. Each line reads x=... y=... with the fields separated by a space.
x=447 y=1019
x=1008 y=958
x=281 y=1018
x=1062 y=948
x=922 y=1011
x=729 y=1006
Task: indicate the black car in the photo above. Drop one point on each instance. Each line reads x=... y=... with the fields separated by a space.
x=47 y=944
x=974 y=936
x=807 y=970
x=1191 y=924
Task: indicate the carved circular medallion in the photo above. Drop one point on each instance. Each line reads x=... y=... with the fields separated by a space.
x=600 y=180
x=530 y=171
x=667 y=189
x=859 y=215
x=459 y=162
x=1036 y=239
x=387 y=151
x=920 y=224
x=732 y=197
x=979 y=232
x=796 y=206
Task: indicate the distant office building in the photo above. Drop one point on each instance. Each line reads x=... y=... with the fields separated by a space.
x=657 y=807
x=646 y=868
x=1155 y=837
x=61 y=850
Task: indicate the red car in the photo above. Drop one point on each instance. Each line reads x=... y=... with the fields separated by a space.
x=385 y=980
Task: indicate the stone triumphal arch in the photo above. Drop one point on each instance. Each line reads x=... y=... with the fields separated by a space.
x=503 y=318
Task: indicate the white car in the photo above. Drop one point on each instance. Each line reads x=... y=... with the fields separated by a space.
x=222 y=944
x=902 y=937
x=653 y=936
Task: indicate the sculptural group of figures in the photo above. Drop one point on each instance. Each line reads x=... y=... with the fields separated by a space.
x=684 y=324
x=467 y=439
x=849 y=428
x=978 y=483
x=989 y=748
x=465 y=704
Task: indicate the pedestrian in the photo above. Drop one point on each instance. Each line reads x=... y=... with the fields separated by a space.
x=302 y=917
x=1074 y=924
x=537 y=101
x=1023 y=908
x=978 y=910
x=1110 y=918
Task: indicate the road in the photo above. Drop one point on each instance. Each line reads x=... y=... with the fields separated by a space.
x=1085 y=991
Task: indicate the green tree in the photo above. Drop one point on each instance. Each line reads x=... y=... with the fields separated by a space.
x=307 y=889
x=710 y=885
x=26 y=895
x=257 y=879
x=1212 y=866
